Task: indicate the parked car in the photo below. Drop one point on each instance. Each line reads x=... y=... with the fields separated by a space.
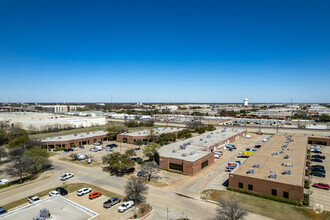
x=33 y=199
x=111 y=202
x=98 y=143
x=98 y=148
x=4 y=181
x=93 y=149
x=322 y=186
x=317 y=173
x=66 y=176
x=318 y=156
x=218 y=152
x=81 y=147
x=129 y=170
x=316 y=152
x=73 y=148
x=108 y=149
x=94 y=195
x=62 y=191
x=113 y=145
x=319 y=166
x=53 y=193
x=217 y=156
x=315 y=148
x=257 y=146
x=126 y=205
x=318 y=169
x=83 y=191
x=317 y=160
x=137 y=159
x=229 y=169
x=2 y=211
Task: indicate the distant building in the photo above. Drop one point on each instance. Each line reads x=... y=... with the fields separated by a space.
x=58 y=108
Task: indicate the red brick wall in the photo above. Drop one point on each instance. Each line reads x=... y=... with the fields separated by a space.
x=77 y=142
x=314 y=140
x=266 y=186
x=130 y=139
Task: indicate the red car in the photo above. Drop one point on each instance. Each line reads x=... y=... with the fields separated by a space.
x=94 y=195
x=322 y=186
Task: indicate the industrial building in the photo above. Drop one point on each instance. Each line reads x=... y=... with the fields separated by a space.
x=75 y=139
x=277 y=168
x=58 y=108
x=56 y=207
x=194 y=154
x=145 y=135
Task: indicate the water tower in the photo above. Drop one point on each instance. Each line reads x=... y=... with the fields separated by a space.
x=246 y=102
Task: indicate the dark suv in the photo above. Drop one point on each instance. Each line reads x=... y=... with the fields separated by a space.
x=318 y=156
x=111 y=202
x=62 y=191
x=318 y=166
x=318 y=169
x=318 y=173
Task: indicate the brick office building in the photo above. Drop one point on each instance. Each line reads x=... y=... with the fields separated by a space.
x=145 y=135
x=319 y=140
x=194 y=154
x=76 y=139
x=277 y=168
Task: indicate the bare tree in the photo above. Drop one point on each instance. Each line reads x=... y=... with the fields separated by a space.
x=136 y=189
x=22 y=163
x=3 y=153
x=229 y=209
x=150 y=170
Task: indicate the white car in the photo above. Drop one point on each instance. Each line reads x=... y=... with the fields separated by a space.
x=33 y=199
x=66 y=176
x=4 y=181
x=126 y=205
x=53 y=193
x=83 y=191
x=218 y=152
x=217 y=156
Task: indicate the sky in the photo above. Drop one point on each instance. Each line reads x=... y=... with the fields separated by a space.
x=165 y=51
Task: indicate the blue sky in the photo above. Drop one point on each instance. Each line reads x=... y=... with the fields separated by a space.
x=165 y=51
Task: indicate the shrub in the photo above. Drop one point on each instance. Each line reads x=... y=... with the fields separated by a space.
x=59 y=149
x=306 y=185
x=306 y=199
x=265 y=196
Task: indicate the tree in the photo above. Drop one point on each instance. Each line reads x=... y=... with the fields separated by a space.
x=3 y=137
x=136 y=189
x=165 y=138
x=150 y=170
x=151 y=149
x=3 y=153
x=130 y=152
x=230 y=210
x=114 y=130
x=139 y=142
x=22 y=163
x=184 y=134
x=118 y=162
x=152 y=133
x=39 y=156
x=16 y=132
x=195 y=124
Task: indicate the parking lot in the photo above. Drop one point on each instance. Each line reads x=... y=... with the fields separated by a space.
x=321 y=196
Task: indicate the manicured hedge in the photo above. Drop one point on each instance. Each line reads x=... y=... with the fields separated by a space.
x=265 y=196
x=306 y=199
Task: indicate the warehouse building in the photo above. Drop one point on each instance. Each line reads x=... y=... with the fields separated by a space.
x=145 y=135
x=75 y=139
x=277 y=168
x=194 y=154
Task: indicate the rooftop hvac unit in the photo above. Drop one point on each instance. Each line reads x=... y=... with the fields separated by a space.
x=43 y=138
x=59 y=137
x=281 y=152
x=208 y=136
x=192 y=153
x=182 y=147
x=274 y=154
x=144 y=132
x=250 y=171
x=211 y=132
x=173 y=151
x=256 y=165
x=217 y=132
x=273 y=175
x=184 y=155
x=287 y=156
x=87 y=133
x=139 y=133
x=188 y=143
x=201 y=139
x=289 y=165
x=44 y=213
x=286 y=172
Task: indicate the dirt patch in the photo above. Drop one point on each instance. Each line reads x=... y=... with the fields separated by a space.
x=143 y=210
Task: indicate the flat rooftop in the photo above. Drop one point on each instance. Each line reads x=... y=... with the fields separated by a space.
x=75 y=136
x=276 y=164
x=194 y=148
x=59 y=208
x=157 y=131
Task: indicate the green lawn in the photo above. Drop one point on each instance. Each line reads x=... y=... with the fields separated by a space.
x=71 y=188
x=82 y=162
x=265 y=207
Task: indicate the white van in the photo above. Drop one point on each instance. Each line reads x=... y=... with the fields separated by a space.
x=98 y=148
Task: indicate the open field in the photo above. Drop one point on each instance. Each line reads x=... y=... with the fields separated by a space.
x=265 y=207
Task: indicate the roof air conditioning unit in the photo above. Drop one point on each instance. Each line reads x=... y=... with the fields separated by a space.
x=273 y=175
x=250 y=171
x=173 y=151
x=286 y=156
x=274 y=154
x=184 y=154
x=256 y=165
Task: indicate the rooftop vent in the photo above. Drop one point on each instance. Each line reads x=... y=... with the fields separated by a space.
x=250 y=171
x=274 y=154
x=256 y=165
x=184 y=155
x=182 y=147
x=287 y=156
x=173 y=151
x=281 y=152
x=87 y=133
x=289 y=165
x=208 y=136
x=59 y=137
x=201 y=139
x=192 y=153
